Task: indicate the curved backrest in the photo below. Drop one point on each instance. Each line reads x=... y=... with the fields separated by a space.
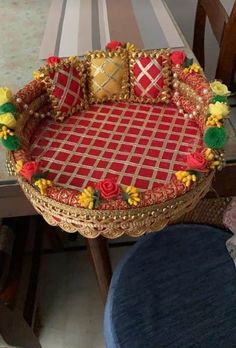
x=224 y=29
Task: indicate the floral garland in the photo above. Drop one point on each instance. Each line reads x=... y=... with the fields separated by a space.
x=90 y=197
x=107 y=189
x=211 y=157
x=30 y=171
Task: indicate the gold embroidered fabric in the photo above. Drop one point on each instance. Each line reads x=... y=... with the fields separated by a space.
x=108 y=76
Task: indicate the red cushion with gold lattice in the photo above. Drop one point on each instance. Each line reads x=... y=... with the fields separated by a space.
x=149 y=76
x=65 y=83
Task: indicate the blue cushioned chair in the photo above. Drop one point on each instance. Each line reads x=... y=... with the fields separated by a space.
x=174 y=289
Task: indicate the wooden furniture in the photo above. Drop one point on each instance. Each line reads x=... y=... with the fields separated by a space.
x=99 y=256
x=15 y=330
x=224 y=29
x=18 y=303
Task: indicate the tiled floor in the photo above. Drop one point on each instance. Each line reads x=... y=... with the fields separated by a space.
x=71 y=306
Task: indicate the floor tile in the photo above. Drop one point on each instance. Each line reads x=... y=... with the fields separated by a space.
x=70 y=303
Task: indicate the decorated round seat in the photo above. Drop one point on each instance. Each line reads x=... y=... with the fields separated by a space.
x=121 y=141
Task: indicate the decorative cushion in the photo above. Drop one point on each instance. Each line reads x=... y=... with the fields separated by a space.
x=149 y=75
x=175 y=288
x=108 y=75
x=65 y=83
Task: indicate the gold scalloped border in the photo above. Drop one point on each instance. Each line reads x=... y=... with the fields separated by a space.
x=165 y=94
x=114 y=223
x=80 y=66
x=124 y=94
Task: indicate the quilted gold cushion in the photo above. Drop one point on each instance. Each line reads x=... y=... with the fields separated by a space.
x=108 y=76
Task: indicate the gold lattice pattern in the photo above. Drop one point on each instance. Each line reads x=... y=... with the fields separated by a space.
x=107 y=75
x=152 y=80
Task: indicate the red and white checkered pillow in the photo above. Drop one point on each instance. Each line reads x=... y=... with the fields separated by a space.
x=149 y=73
x=65 y=83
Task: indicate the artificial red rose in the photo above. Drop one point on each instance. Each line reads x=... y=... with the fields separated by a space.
x=114 y=45
x=197 y=161
x=177 y=57
x=29 y=169
x=53 y=60
x=108 y=188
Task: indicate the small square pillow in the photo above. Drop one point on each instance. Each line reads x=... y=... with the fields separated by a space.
x=150 y=76
x=108 y=75
x=65 y=84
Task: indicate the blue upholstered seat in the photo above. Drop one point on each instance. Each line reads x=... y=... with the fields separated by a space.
x=174 y=289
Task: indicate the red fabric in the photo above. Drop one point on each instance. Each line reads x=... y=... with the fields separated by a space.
x=142 y=148
x=65 y=196
x=189 y=107
x=146 y=70
x=197 y=82
x=67 y=88
x=28 y=93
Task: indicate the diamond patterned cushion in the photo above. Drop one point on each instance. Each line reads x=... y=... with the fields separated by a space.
x=108 y=76
x=65 y=85
x=149 y=73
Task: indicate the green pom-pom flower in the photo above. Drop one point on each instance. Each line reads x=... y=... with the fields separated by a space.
x=219 y=98
x=7 y=107
x=12 y=143
x=215 y=138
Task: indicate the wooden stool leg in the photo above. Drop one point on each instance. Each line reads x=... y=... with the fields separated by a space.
x=100 y=258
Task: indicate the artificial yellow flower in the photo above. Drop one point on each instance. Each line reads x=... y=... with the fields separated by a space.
x=86 y=199
x=8 y=120
x=19 y=165
x=5 y=132
x=130 y=47
x=214 y=164
x=209 y=154
x=219 y=88
x=43 y=184
x=214 y=121
x=5 y=95
x=73 y=59
x=133 y=196
x=37 y=74
x=193 y=68
x=219 y=109
x=185 y=177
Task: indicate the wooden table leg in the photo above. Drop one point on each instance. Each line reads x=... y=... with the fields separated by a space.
x=100 y=258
